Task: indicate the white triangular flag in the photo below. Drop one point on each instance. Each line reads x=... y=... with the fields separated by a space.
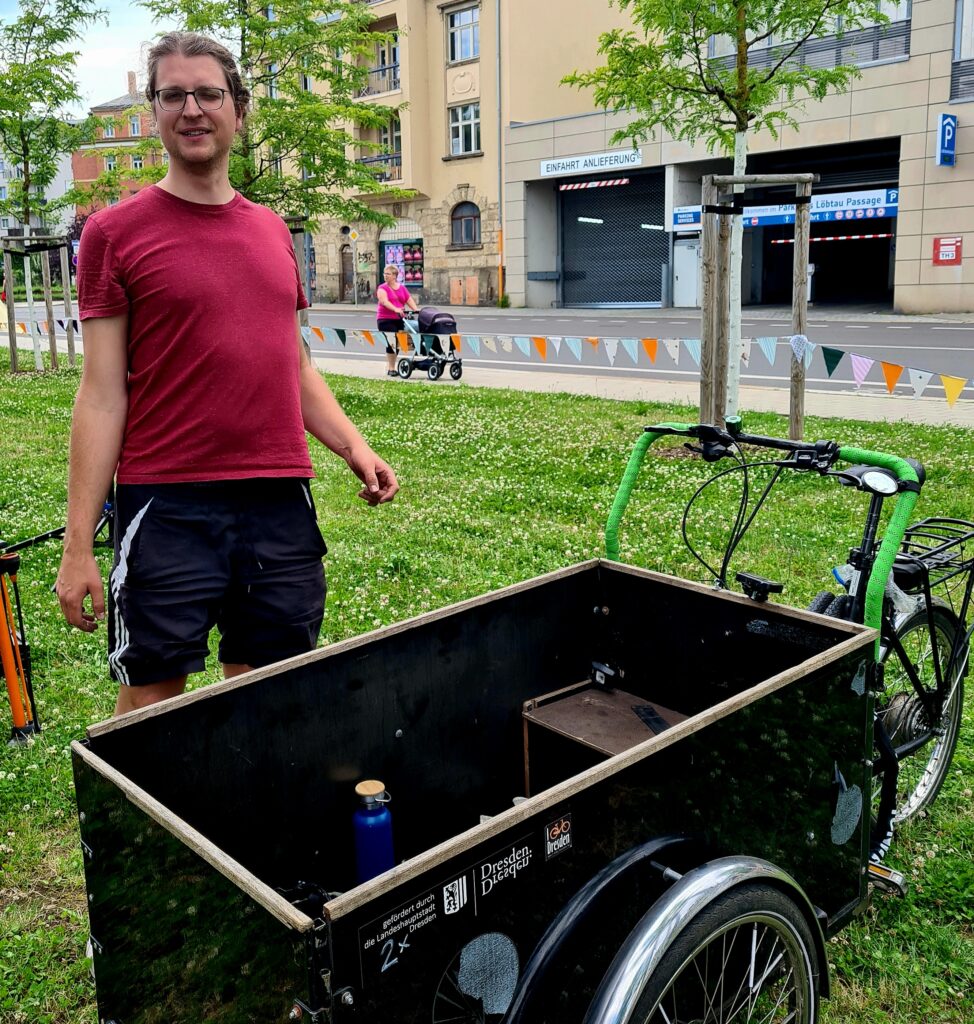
x=861 y=365
x=745 y=350
x=556 y=345
x=919 y=379
x=672 y=346
x=490 y=344
x=611 y=348
x=798 y=345
x=507 y=344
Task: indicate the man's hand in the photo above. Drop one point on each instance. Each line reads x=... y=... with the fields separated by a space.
x=78 y=577
x=379 y=479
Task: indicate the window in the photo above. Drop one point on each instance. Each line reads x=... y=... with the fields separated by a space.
x=109 y=131
x=109 y=163
x=135 y=125
x=465 y=129
x=390 y=135
x=3 y=192
x=136 y=163
x=465 y=222
x=463 y=28
x=964 y=30
x=272 y=89
x=4 y=223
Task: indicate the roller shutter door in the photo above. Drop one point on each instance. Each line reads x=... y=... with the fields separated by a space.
x=614 y=244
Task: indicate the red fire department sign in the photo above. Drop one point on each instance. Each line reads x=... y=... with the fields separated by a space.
x=948 y=251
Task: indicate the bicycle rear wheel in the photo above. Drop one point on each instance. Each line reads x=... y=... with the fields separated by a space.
x=923 y=739
x=749 y=957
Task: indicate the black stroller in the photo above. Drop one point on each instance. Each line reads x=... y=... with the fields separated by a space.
x=432 y=347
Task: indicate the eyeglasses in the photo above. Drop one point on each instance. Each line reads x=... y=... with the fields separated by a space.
x=207 y=98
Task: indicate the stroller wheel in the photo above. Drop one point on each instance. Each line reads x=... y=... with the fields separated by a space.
x=456 y=370
x=404 y=368
x=434 y=371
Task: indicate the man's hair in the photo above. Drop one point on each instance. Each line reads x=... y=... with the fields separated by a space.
x=192 y=44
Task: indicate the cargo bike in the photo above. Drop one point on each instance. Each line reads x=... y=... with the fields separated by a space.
x=618 y=796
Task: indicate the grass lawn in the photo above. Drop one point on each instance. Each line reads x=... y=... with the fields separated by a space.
x=497 y=486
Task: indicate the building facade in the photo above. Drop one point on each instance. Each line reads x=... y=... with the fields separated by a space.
x=589 y=222
x=119 y=144
x=444 y=146
x=488 y=138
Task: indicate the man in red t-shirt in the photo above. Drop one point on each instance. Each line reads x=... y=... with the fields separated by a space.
x=196 y=395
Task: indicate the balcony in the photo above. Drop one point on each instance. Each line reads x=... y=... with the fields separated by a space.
x=384 y=79
x=870 y=45
x=387 y=167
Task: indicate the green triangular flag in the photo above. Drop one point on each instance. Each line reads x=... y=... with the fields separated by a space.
x=832 y=356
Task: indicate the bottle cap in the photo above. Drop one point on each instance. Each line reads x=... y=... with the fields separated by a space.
x=370 y=789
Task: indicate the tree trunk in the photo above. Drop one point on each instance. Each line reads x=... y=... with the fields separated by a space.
x=735 y=349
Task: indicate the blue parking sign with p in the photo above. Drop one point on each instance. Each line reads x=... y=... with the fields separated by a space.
x=947 y=140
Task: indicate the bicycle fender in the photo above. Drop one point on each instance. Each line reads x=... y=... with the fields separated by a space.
x=617 y=996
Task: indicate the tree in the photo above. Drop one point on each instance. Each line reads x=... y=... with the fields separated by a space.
x=36 y=86
x=667 y=77
x=292 y=152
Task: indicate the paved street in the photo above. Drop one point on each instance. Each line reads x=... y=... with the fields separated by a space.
x=940 y=345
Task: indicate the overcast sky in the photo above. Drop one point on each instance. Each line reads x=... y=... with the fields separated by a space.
x=107 y=53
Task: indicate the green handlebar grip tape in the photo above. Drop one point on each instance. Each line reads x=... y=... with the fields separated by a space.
x=893 y=537
x=621 y=500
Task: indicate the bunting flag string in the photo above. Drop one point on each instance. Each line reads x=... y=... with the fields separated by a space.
x=545 y=347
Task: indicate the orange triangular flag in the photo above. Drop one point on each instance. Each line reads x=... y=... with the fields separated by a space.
x=455 y=338
x=650 y=344
x=953 y=386
x=402 y=338
x=368 y=337
x=319 y=332
x=594 y=342
x=541 y=344
x=892 y=373
x=22 y=328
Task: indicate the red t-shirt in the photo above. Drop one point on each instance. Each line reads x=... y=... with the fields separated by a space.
x=211 y=294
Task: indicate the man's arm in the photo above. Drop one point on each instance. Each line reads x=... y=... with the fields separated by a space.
x=97 y=426
x=325 y=420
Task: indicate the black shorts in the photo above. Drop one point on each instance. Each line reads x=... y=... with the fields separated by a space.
x=244 y=555
x=392 y=325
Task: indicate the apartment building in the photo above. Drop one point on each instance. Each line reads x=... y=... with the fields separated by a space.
x=589 y=222
x=60 y=184
x=126 y=130
x=444 y=145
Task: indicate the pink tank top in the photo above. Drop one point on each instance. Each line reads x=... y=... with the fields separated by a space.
x=399 y=296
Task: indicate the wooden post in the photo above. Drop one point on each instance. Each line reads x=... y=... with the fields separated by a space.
x=708 y=227
x=722 y=320
x=68 y=314
x=8 y=283
x=799 y=308
x=49 y=307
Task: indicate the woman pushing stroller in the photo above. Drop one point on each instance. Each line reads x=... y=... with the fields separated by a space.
x=393 y=298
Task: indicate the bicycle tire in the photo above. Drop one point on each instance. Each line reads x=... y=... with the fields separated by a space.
x=921 y=774
x=821 y=601
x=712 y=962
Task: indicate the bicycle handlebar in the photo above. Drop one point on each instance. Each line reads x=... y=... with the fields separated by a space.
x=818 y=456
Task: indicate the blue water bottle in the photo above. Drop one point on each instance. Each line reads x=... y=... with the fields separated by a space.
x=372 y=825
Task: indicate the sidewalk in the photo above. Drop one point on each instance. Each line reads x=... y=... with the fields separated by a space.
x=850 y=404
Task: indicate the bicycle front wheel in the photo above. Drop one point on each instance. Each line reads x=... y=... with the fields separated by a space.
x=922 y=728
x=747 y=958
